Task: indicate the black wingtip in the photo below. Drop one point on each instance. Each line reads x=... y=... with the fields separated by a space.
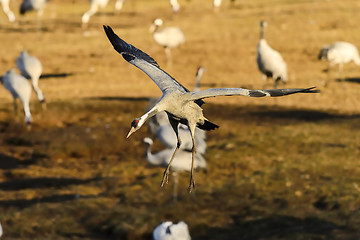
x=310 y=90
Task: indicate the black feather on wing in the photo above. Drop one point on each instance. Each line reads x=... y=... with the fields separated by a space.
x=282 y=92
x=128 y=51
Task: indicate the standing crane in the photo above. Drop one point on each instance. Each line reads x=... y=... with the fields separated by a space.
x=94 y=7
x=168 y=37
x=181 y=105
x=31 y=68
x=19 y=87
x=170 y=231
x=339 y=53
x=5 y=6
x=182 y=163
x=270 y=62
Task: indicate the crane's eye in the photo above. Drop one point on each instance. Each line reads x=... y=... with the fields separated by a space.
x=135 y=123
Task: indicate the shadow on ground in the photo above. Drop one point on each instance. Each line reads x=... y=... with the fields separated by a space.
x=274 y=227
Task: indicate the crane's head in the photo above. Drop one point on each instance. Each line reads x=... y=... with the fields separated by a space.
x=263 y=24
x=135 y=125
x=156 y=24
x=323 y=54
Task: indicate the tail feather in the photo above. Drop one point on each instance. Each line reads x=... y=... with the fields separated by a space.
x=208 y=126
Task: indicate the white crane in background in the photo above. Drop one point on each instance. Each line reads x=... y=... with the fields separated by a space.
x=270 y=62
x=170 y=231
x=31 y=68
x=181 y=105
x=182 y=161
x=339 y=53
x=19 y=87
x=94 y=7
x=168 y=37
x=6 y=8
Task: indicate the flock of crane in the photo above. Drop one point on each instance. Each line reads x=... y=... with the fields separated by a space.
x=95 y=5
x=176 y=118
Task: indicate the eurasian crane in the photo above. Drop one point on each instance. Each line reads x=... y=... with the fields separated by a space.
x=270 y=62
x=170 y=231
x=182 y=162
x=161 y=117
x=339 y=53
x=31 y=68
x=181 y=105
x=94 y=7
x=160 y=127
x=19 y=87
x=5 y=6
x=168 y=37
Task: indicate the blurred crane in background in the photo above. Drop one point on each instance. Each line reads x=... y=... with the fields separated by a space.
x=6 y=8
x=182 y=161
x=168 y=37
x=19 y=87
x=31 y=68
x=170 y=231
x=270 y=62
x=94 y=7
x=339 y=53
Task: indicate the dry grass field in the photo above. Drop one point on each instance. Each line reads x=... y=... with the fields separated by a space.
x=284 y=168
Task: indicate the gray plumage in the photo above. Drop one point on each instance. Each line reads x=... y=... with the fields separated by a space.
x=181 y=105
x=270 y=62
x=19 y=87
x=160 y=127
x=31 y=68
x=5 y=6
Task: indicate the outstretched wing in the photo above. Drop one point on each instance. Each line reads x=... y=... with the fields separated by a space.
x=144 y=62
x=213 y=92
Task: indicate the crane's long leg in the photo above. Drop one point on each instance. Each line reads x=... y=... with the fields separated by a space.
x=192 y=177
x=174 y=124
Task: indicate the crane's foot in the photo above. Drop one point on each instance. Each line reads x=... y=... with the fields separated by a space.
x=165 y=178
x=191 y=185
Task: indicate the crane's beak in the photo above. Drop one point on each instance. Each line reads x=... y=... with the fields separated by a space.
x=132 y=130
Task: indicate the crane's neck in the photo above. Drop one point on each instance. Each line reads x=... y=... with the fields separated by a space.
x=197 y=81
x=151 y=158
x=262 y=32
x=148 y=115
